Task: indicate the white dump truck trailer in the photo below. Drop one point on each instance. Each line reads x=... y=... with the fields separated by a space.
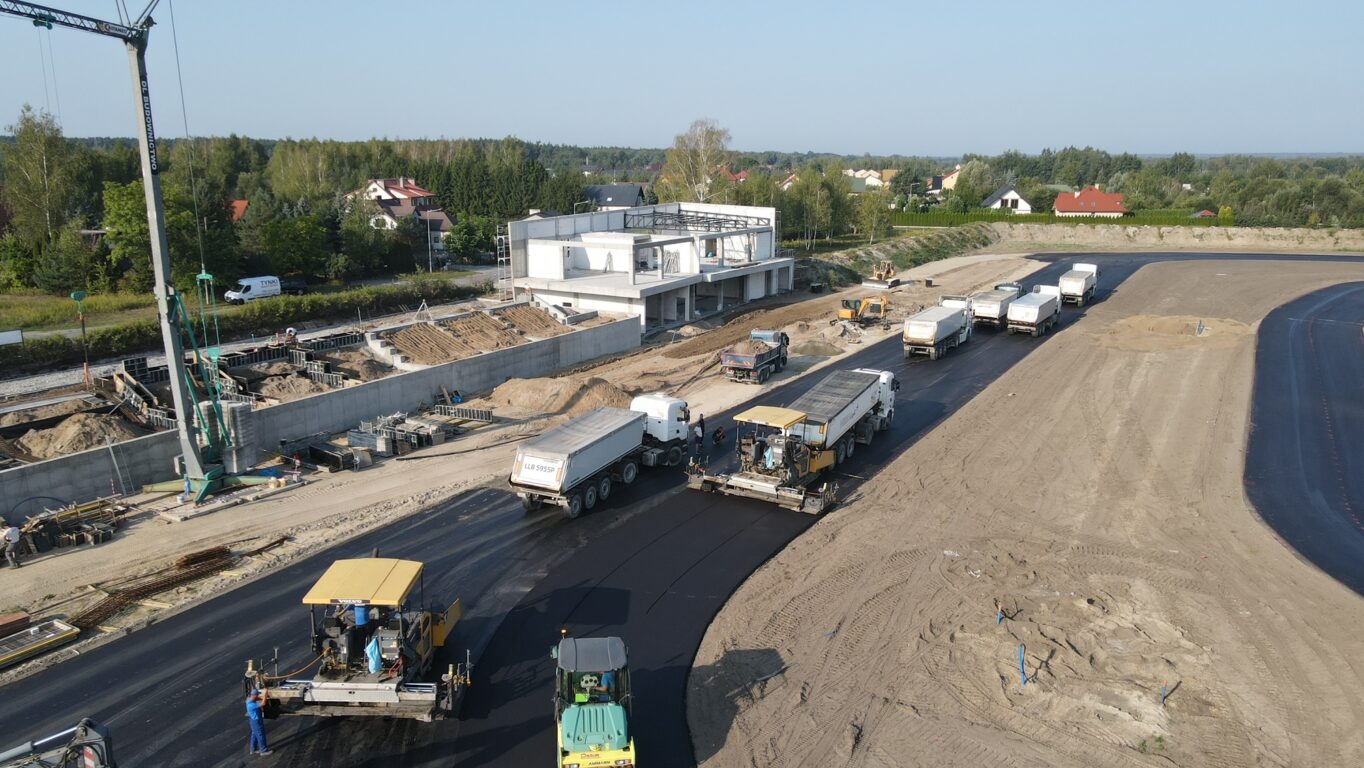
x=992 y=307
x=575 y=465
x=1077 y=286
x=1035 y=313
x=937 y=329
x=783 y=451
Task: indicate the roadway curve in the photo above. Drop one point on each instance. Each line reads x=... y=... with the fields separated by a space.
x=1305 y=455
x=653 y=566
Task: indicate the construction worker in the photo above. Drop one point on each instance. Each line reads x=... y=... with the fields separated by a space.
x=11 y=543
x=255 y=714
x=698 y=438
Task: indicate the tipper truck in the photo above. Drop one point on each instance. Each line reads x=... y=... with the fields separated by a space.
x=755 y=360
x=992 y=307
x=575 y=465
x=1077 y=286
x=783 y=451
x=937 y=329
x=1035 y=313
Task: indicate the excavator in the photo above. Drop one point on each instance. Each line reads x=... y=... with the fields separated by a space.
x=868 y=310
x=882 y=276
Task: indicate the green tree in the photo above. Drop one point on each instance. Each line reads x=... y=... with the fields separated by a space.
x=873 y=213
x=39 y=174
x=128 y=238
x=365 y=247
x=296 y=245
x=67 y=263
x=1225 y=217
x=16 y=263
x=693 y=162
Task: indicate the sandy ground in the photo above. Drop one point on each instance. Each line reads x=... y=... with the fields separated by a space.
x=329 y=507
x=1096 y=491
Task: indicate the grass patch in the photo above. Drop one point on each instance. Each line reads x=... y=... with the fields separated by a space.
x=43 y=312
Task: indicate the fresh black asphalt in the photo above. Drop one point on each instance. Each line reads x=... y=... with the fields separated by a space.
x=652 y=565
x=1305 y=455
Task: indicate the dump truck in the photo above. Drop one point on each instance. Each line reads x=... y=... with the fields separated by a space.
x=865 y=311
x=1077 y=286
x=883 y=276
x=86 y=745
x=592 y=703
x=576 y=465
x=992 y=307
x=755 y=360
x=783 y=452
x=376 y=640
x=1035 y=313
x=937 y=329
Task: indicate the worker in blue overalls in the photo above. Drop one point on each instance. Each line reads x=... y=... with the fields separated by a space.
x=255 y=714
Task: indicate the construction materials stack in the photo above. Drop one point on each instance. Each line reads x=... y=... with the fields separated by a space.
x=756 y=359
x=1078 y=285
x=936 y=330
x=992 y=307
x=783 y=452
x=376 y=642
x=576 y=465
x=1037 y=312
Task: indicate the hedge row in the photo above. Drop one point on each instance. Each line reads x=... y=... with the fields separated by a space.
x=260 y=318
x=943 y=219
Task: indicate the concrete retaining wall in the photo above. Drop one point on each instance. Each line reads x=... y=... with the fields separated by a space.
x=87 y=475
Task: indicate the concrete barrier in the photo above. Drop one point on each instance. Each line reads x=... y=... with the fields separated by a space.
x=90 y=474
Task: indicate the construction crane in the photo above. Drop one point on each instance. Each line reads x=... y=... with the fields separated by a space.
x=198 y=474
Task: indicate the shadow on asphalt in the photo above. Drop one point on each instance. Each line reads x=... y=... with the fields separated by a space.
x=738 y=673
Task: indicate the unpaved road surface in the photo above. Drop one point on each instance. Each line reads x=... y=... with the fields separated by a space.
x=1096 y=491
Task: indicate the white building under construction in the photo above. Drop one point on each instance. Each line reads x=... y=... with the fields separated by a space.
x=666 y=264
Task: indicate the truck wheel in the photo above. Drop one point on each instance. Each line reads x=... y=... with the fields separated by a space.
x=933 y=354
x=763 y=374
x=852 y=447
x=840 y=453
x=529 y=504
x=674 y=456
x=781 y=363
x=604 y=488
x=590 y=496
x=575 y=506
x=628 y=472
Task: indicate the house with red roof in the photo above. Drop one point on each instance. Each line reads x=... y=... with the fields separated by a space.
x=1091 y=201
x=402 y=198
x=237 y=209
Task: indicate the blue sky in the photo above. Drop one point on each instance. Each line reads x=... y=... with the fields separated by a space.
x=902 y=77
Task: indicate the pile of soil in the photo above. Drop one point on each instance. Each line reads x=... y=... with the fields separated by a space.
x=749 y=347
x=43 y=412
x=277 y=368
x=286 y=388
x=357 y=364
x=1157 y=333
x=81 y=432
x=568 y=394
x=817 y=348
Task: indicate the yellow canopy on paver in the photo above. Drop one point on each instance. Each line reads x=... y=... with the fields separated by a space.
x=771 y=416
x=368 y=581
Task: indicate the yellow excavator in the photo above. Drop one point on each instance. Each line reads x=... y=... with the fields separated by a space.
x=882 y=276
x=868 y=310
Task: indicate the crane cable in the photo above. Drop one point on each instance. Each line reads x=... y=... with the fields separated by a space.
x=193 y=187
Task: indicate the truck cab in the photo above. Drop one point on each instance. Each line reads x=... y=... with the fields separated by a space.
x=592 y=704
x=253 y=288
x=666 y=418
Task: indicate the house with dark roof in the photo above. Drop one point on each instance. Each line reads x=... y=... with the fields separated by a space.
x=612 y=197
x=939 y=184
x=1091 y=201
x=1006 y=198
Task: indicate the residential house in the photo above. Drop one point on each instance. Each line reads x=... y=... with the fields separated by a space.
x=789 y=181
x=870 y=179
x=612 y=197
x=403 y=198
x=1006 y=198
x=939 y=184
x=1091 y=201
x=888 y=174
x=236 y=209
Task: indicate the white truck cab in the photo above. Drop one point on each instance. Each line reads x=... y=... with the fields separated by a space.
x=666 y=418
x=252 y=288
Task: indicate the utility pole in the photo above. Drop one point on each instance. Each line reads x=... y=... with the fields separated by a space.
x=134 y=37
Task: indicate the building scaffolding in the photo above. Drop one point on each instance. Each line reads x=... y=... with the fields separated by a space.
x=691 y=221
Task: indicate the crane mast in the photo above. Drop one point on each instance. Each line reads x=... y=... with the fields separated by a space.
x=201 y=477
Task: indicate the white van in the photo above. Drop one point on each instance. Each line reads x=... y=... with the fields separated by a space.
x=252 y=288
